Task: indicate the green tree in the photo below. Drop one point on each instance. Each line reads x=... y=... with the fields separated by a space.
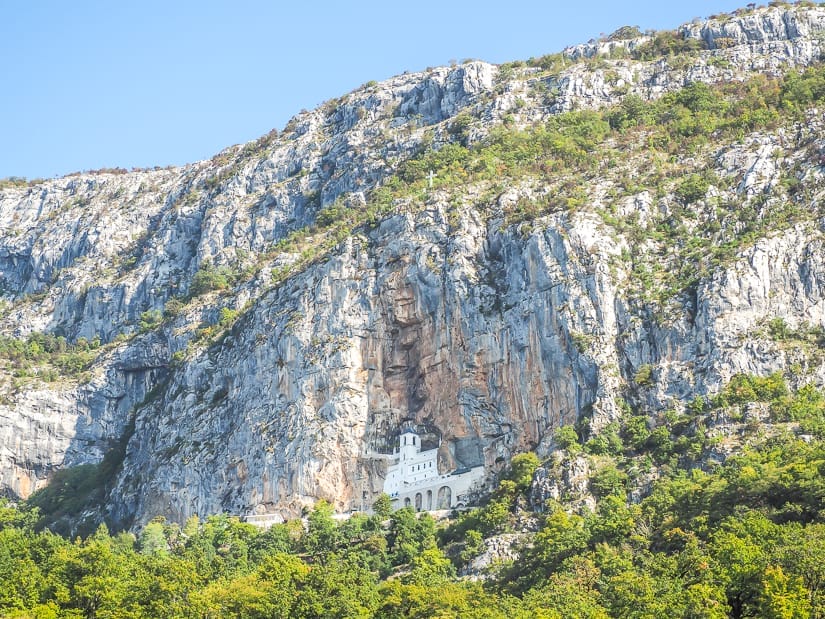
x=782 y=597
x=522 y=467
x=608 y=480
x=429 y=568
x=95 y=576
x=802 y=553
x=322 y=534
x=567 y=438
x=338 y=588
x=21 y=580
x=743 y=559
x=409 y=534
x=382 y=506
x=449 y=599
x=153 y=540
x=243 y=596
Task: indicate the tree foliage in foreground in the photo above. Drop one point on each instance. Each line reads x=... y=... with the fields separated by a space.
x=743 y=539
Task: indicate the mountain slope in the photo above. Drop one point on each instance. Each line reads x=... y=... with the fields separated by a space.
x=248 y=333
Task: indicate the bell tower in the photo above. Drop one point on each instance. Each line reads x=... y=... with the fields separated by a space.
x=409 y=443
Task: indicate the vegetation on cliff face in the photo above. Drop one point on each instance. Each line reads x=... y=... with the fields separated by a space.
x=46 y=357
x=665 y=146
x=743 y=538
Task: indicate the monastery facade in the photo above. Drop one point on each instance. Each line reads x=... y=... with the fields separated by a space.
x=413 y=479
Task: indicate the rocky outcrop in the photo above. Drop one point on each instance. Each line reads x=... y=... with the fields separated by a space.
x=497 y=551
x=562 y=480
x=782 y=28
x=280 y=390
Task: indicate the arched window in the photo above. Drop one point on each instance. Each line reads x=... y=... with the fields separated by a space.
x=445 y=498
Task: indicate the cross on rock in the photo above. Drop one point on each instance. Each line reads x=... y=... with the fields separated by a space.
x=430 y=178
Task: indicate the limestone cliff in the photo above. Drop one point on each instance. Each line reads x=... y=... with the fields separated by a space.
x=252 y=360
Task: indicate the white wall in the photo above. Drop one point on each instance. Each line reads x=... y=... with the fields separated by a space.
x=413 y=478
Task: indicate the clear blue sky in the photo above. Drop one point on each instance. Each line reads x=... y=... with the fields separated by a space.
x=88 y=84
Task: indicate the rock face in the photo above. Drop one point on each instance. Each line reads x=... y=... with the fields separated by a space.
x=497 y=550
x=561 y=480
x=441 y=313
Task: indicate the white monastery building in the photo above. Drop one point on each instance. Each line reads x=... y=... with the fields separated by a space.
x=413 y=479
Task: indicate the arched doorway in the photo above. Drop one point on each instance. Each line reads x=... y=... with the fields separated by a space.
x=418 y=501
x=429 y=500
x=445 y=498
x=407 y=501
